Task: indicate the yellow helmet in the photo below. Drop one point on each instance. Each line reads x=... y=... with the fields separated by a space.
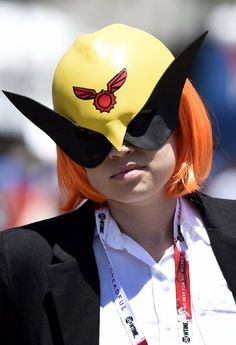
x=92 y=62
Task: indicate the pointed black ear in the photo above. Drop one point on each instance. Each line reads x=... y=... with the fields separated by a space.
x=57 y=126
x=165 y=97
x=64 y=132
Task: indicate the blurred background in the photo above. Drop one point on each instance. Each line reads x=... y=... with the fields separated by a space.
x=34 y=35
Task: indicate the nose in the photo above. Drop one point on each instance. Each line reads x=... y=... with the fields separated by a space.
x=125 y=149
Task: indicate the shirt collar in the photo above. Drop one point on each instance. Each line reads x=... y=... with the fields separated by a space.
x=191 y=224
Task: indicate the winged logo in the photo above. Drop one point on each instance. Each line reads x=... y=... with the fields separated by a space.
x=104 y=100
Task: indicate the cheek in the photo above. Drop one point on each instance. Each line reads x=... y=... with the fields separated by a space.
x=94 y=177
x=99 y=179
x=164 y=162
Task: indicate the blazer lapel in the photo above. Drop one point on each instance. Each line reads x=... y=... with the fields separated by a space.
x=219 y=217
x=76 y=299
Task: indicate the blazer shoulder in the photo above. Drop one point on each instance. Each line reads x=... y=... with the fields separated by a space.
x=216 y=212
x=35 y=241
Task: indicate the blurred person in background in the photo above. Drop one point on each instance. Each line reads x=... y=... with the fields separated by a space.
x=141 y=256
x=27 y=190
x=217 y=60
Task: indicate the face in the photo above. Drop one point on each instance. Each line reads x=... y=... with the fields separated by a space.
x=135 y=175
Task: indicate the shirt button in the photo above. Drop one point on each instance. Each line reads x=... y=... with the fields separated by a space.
x=166 y=287
x=168 y=327
x=154 y=269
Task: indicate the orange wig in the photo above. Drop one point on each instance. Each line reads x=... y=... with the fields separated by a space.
x=194 y=157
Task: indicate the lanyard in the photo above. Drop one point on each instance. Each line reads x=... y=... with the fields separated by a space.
x=182 y=283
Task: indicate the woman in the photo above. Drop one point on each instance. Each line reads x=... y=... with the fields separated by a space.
x=147 y=259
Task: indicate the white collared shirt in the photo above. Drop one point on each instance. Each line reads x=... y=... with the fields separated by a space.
x=150 y=288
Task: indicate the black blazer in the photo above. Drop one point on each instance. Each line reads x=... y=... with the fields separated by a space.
x=49 y=285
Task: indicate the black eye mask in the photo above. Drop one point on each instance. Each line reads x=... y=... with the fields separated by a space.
x=149 y=129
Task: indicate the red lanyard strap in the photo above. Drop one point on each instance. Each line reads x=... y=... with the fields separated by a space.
x=182 y=284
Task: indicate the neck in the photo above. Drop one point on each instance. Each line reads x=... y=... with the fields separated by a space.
x=151 y=224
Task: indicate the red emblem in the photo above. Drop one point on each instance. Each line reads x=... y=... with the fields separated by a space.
x=104 y=100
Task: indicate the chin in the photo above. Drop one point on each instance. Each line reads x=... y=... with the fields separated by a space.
x=137 y=194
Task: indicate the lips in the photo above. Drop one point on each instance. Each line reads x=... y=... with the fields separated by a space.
x=127 y=169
